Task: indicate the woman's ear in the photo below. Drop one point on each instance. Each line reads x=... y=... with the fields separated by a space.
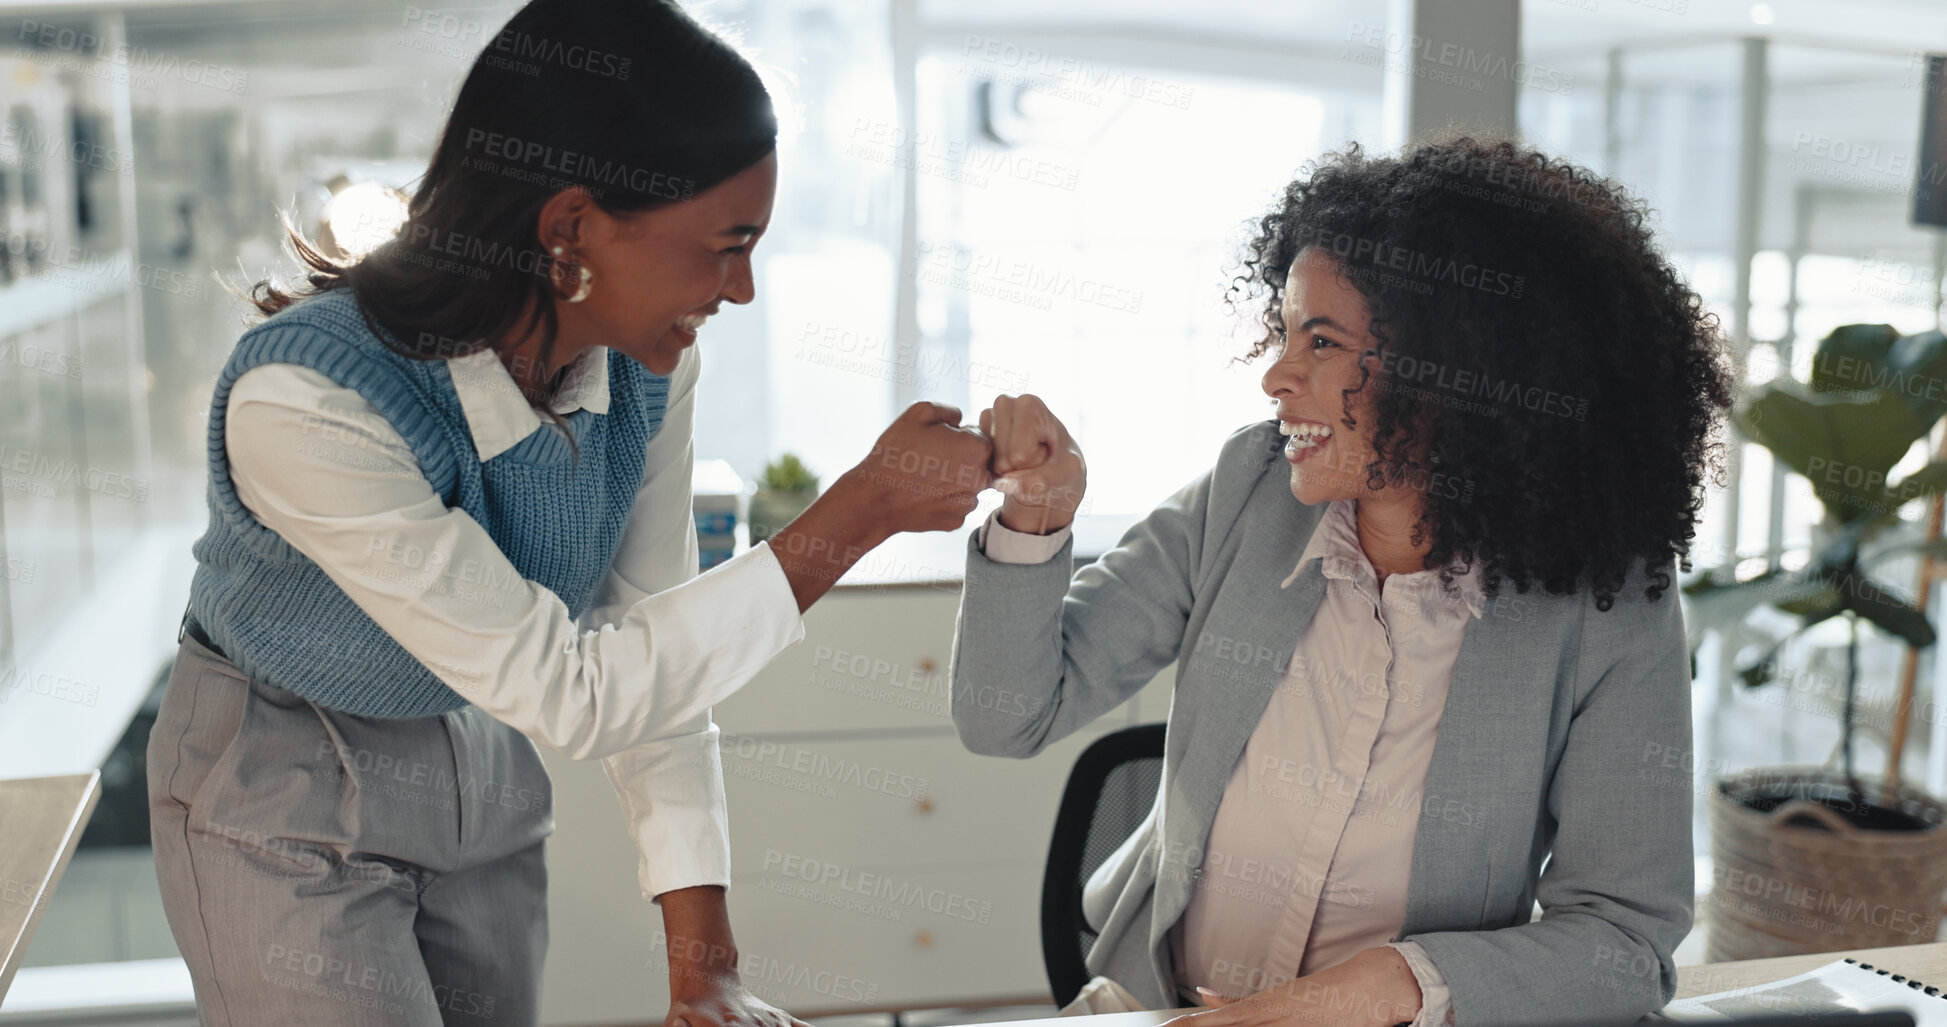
x=563 y=220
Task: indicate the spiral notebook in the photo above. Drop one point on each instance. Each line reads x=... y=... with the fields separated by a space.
x=1844 y=985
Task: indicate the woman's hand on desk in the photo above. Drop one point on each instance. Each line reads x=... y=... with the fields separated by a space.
x=1374 y=988
x=1037 y=465
x=725 y=1003
x=705 y=987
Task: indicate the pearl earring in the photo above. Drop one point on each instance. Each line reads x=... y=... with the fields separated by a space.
x=586 y=279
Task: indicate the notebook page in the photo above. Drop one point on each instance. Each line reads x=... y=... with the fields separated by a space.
x=1836 y=986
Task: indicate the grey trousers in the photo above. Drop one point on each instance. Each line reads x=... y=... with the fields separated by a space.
x=324 y=868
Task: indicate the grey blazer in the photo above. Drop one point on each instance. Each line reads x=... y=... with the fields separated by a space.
x=1550 y=774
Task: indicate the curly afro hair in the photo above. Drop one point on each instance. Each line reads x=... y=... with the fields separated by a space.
x=1532 y=343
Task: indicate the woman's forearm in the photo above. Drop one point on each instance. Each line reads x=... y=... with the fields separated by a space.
x=818 y=547
x=1038 y=655
x=1395 y=991
x=702 y=952
x=1375 y=988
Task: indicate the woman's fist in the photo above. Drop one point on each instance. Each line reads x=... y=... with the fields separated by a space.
x=1036 y=465
x=926 y=472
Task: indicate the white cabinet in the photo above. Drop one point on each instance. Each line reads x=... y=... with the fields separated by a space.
x=871 y=659
x=909 y=937
x=921 y=801
x=876 y=863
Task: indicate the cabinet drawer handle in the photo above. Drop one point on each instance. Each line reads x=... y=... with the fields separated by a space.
x=926 y=665
x=925 y=803
x=923 y=939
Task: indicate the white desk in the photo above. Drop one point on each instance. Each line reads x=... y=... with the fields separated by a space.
x=1927 y=962
x=44 y=817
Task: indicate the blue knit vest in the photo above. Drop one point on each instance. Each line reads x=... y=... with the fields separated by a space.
x=558 y=519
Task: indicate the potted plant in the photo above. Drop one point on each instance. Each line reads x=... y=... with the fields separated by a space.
x=1809 y=859
x=784 y=490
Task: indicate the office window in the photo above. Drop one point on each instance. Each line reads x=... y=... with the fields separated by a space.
x=1079 y=249
x=1076 y=224
x=1833 y=248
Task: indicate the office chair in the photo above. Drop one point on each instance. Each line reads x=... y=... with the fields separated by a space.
x=1109 y=793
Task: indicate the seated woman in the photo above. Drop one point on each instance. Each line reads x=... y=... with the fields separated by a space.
x=1426 y=694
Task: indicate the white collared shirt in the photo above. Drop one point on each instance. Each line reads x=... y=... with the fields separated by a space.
x=1310 y=851
x=632 y=683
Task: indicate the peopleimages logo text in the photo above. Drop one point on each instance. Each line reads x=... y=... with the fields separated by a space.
x=580 y=166
x=1430 y=266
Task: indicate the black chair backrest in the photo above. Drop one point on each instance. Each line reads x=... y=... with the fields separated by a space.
x=1110 y=791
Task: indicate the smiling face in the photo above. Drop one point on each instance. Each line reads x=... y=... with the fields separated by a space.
x=659 y=273
x=1327 y=329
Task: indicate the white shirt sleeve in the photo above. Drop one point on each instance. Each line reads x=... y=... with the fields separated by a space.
x=313 y=461
x=1436 y=999
x=1003 y=544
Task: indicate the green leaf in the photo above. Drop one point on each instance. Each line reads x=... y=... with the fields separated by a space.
x=1887 y=611
x=1919 y=363
x=1935 y=547
x=1813 y=597
x=1843 y=443
x=1716 y=605
x=1759 y=673
x=1853 y=358
x=1822 y=604
x=1766 y=665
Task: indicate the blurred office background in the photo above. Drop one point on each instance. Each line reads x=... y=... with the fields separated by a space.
x=976 y=198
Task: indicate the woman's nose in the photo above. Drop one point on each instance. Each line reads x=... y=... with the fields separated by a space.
x=742 y=286
x=1281 y=378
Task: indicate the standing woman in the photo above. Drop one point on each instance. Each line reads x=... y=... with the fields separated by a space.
x=408 y=575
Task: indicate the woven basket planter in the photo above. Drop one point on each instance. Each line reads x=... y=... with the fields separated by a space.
x=1802 y=878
